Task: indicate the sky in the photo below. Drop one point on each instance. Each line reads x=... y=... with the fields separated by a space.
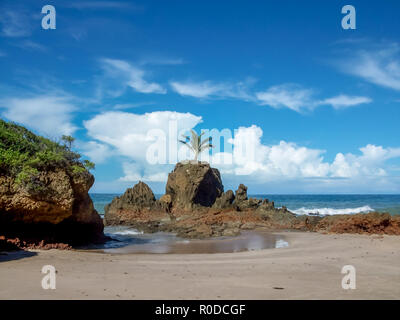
x=303 y=105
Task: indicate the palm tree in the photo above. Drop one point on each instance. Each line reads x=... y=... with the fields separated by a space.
x=195 y=144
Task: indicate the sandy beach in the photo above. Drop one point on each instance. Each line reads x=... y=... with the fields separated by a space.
x=310 y=268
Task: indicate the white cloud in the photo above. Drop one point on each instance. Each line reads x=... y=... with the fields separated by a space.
x=379 y=66
x=285 y=160
x=297 y=98
x=209 y=89
x=15 y=23
x=288 y=161
x=251 y=161
x=96 y=152
x=369 y=163
x=130 y=136
x=343 y=101
x=286 y=96
x=197 y=90
x=127 y=75
x=48 y=115
x=135 y=171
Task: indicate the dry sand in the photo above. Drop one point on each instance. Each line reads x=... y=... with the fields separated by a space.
x=310 y=268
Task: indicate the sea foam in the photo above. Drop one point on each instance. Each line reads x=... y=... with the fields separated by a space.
x=332 y=211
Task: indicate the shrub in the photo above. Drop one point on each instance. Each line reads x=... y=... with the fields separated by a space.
x=23 y=154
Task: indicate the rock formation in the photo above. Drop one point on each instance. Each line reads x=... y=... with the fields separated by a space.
x=193 y=185
x=61 y=211
x=139 y=208
x=195 y=206
x=44 y=192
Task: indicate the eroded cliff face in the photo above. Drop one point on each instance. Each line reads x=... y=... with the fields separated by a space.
x=58 y=209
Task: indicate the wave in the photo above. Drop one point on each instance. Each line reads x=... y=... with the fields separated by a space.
x=128 y=232
x=332 y=211
x=122 y=231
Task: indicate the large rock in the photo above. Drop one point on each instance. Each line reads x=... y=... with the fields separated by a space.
x=58 y=209
x=192 y=185
x=139 y=208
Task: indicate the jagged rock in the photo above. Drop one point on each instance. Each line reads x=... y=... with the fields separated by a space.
x=241 y=200
x=137 y=207
x=225 y=200
x=193 y=185
x=241 y=193
x=138 y=197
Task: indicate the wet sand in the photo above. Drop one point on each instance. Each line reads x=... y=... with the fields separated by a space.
x=309 y=268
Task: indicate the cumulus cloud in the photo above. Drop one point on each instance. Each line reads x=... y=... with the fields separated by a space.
x=134 y=136
x=288 y=161
x=369 y=163
x=48 y=115
x=378 y=65
x=297 y=98
x=95 y=151
x=124 y=75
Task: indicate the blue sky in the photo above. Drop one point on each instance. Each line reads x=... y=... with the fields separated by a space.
x=318 y=105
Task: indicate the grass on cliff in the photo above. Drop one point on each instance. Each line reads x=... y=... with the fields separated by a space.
x=23 y=154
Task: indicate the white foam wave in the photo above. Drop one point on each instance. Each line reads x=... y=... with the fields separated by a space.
x=332 y=211
x=129 y=232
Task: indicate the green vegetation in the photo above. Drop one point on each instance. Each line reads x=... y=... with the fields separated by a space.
x=23 y=154
x=68 y=141
x=195 y=144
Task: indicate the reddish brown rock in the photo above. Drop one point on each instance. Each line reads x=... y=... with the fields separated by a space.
x=60 y=211
x=371 y=223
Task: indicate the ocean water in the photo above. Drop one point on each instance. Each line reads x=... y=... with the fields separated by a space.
x=305 y=204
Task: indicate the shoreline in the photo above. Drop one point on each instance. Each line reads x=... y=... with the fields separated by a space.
x=309 y=268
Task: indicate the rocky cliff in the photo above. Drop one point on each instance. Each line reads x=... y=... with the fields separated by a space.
x=44 y=191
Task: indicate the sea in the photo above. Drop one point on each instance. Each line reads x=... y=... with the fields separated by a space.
x=129 y=240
